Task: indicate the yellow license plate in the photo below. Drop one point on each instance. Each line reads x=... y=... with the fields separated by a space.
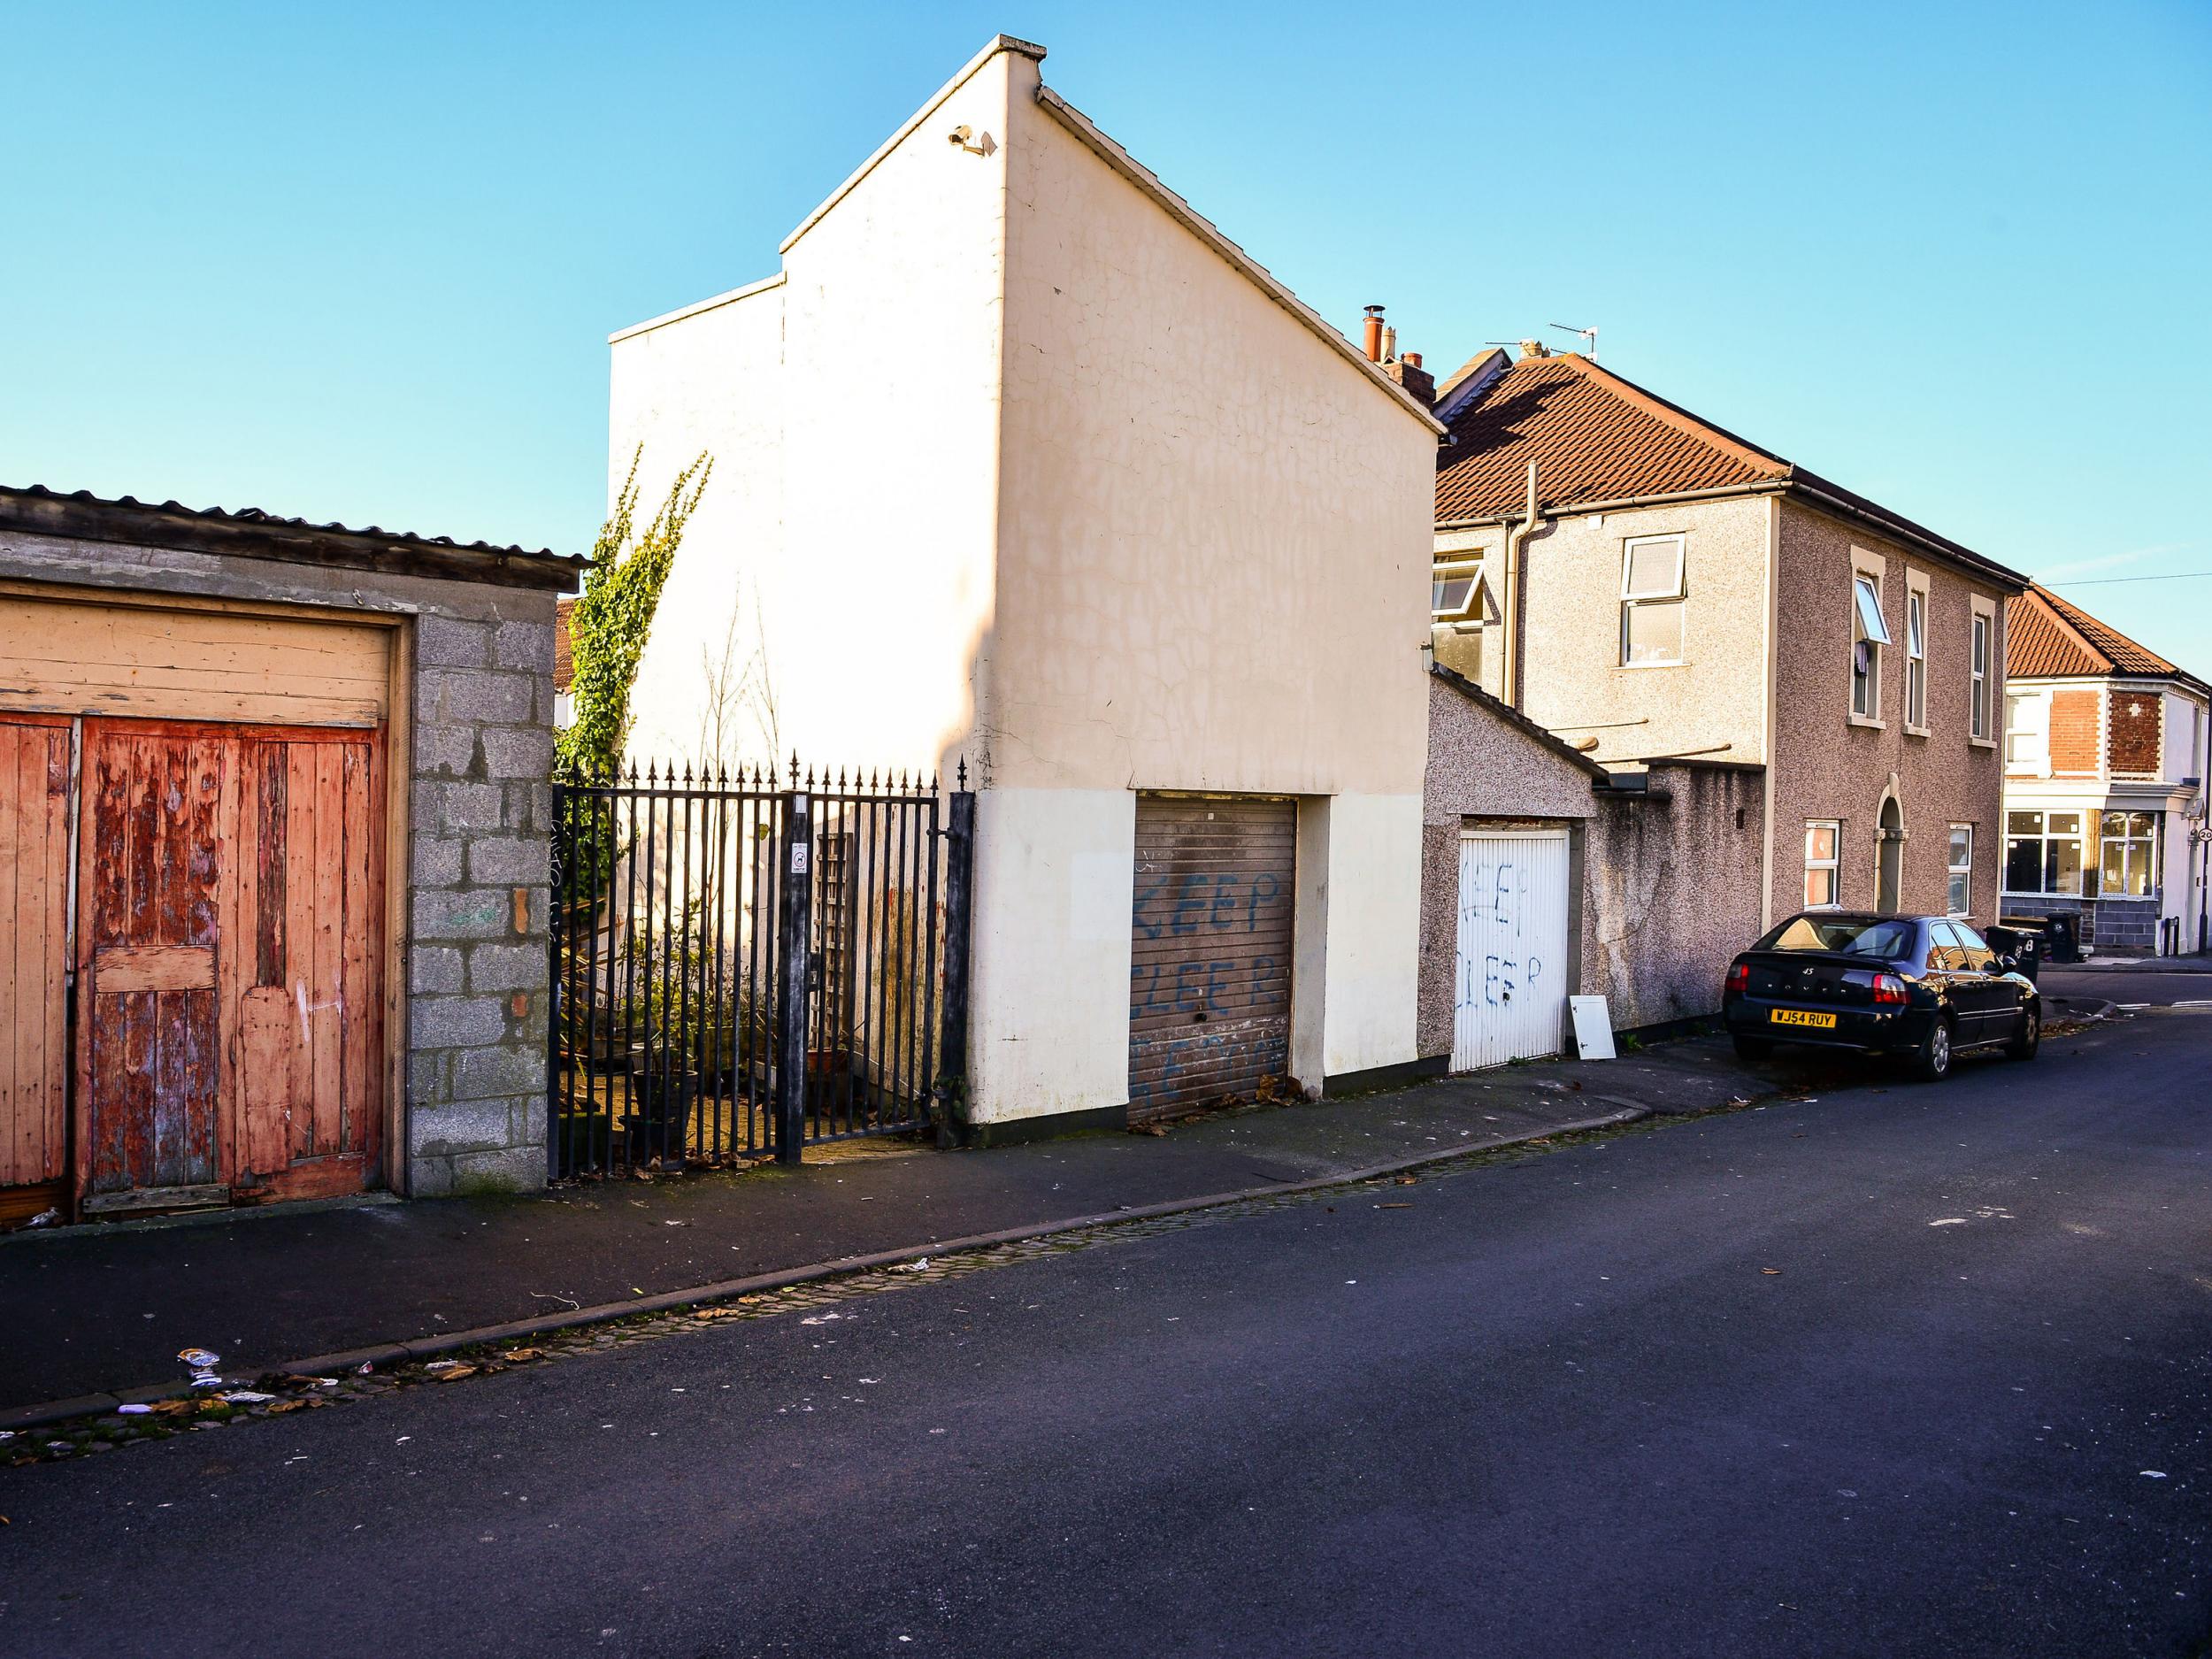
x=1801 y=1016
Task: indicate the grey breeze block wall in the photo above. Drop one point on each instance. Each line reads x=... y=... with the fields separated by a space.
x=481 y=818
x=477 y=862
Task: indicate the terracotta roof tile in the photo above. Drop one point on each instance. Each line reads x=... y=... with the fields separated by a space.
x=1596 y=437
x=1592 y=436
x=2047 y=637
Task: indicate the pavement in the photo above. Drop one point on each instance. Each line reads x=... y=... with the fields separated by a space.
x=103 y=1310
x=1885 y=1368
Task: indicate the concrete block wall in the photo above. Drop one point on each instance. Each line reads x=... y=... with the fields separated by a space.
x=480 y=814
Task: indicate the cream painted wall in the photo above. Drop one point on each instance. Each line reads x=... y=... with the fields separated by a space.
x=1037 y=475
x=1572 y=680
x=1372 y=978
x=710 y=381
x=1213 y=568
x=853 y=415
x=1214 y=531
x=1054 y=887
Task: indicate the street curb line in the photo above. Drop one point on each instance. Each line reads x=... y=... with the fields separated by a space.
x=2104 y=1011
x=381 y=1354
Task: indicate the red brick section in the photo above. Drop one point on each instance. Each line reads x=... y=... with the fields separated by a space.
x=2074 y=731
x=564 y=660
x=2134 y=740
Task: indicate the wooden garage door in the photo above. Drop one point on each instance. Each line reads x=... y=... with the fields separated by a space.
x=1211 y=963
x=34 y=954
x=228 y=945
x=74 y=656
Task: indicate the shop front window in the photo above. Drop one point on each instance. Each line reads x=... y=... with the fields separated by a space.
x=2129 y=868
x=2043 y=852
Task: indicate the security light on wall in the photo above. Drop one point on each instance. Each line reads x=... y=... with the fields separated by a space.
x=963 y=137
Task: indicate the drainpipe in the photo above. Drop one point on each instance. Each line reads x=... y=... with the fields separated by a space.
x=1510 y=693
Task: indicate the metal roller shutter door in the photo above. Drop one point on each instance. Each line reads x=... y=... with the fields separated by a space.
x=1211 y=963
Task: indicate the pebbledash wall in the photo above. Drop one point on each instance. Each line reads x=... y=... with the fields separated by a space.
x=474 y=679
x=1828 y=766
x=1664 y=881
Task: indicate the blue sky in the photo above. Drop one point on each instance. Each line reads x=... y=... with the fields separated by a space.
x=360 y=262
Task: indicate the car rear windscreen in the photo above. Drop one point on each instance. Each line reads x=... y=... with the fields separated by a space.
x=1883 y=941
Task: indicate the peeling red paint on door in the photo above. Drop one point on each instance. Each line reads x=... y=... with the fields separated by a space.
x=231 y=892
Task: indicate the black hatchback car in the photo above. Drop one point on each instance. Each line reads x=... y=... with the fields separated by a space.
x=1923 y=988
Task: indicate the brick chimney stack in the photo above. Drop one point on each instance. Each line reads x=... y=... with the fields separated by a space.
x=1408 y=372
x=1380 y=342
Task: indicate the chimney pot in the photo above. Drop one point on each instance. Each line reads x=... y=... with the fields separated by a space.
x=1534 y=348
x=1372 y=332
x=1413 y=359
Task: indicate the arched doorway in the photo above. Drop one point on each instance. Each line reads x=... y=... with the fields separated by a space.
x=1890 y=865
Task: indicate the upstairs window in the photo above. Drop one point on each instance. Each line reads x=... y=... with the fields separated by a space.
x=1868 y=635
x=1455 y=592
x=1823 y=842
x=1983 y=623
x=2028 y=733
x=1916 y=659
x=1651 y=601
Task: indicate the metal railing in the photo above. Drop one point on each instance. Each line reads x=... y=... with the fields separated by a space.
x=748 y=964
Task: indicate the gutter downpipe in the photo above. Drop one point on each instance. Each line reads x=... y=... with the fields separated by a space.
x=1516 y=539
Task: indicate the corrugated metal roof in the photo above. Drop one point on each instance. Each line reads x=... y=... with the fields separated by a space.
x=254 y=531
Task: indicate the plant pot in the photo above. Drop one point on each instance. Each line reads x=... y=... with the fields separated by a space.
x=659 y=1122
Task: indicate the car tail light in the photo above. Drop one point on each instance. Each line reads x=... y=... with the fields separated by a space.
x=1740 y=977
x=1890 y=989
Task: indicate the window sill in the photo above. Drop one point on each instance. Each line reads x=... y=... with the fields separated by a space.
x=1640 y=667
x=1980 y=742
x=1871 y=722
x=1917 y=731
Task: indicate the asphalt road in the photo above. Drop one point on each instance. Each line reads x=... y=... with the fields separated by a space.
x=1900 y=1370
x=2156 y=987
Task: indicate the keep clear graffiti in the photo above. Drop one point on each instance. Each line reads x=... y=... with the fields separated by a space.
x=1213 y=905
x=1493 y=909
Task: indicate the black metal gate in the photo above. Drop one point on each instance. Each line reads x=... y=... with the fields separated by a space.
x=746 y=964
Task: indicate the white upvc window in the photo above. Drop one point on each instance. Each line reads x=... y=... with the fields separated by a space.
x=1824 y=863
x=1652 y=594
x=2028 y=733
x=1915 y=652
x=1961 y=889
x=1868 y=635
x=1984 y=678
x=1455 y=592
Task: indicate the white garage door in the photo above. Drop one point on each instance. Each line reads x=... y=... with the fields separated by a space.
x=1510 y=992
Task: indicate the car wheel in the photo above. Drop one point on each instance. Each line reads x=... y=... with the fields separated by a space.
x=1754 y=1048
x=2031 y=1038
x=1932 y=1061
